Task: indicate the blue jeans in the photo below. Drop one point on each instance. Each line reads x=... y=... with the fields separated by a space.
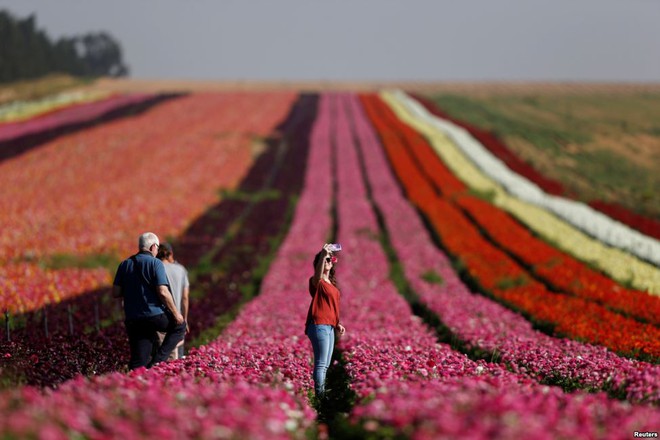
x=323 y=343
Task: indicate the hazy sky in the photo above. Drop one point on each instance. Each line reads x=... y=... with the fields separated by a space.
x=467 y=40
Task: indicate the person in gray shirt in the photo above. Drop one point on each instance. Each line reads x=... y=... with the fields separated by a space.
x=177 y=276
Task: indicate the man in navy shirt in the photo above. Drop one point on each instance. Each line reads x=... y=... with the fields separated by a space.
x=148 y=304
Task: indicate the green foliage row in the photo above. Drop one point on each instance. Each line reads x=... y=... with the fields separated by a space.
x=545 y=136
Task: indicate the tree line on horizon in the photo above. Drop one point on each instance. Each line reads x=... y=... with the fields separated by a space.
x=27 y=52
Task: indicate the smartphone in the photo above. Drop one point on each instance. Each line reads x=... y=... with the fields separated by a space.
x=335 y=247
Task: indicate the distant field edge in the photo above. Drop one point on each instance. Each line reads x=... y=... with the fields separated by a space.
x=488 y=87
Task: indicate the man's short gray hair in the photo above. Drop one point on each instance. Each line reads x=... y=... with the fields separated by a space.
x=147 y=240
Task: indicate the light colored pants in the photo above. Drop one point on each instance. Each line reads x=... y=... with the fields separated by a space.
x=177 y=353
x=323 y=343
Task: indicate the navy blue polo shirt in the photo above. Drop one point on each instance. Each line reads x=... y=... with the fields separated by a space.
x=139 y=277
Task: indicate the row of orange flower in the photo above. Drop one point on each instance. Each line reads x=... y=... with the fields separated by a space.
x=494 y=270
x=557 y=268
x=95 y=191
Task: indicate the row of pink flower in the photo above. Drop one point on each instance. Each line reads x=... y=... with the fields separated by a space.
x=151 y=407
x=486 y=326
x=493 y=408
x=250 y=383
x=388 y=351
x=77 y=114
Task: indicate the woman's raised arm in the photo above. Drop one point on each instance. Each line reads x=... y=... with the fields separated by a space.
x=318 y=269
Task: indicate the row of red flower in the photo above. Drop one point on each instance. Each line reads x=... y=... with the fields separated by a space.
x=484 y=326
x=557 y=268
x=646 y=225
x=27 y=286
x=496 y=272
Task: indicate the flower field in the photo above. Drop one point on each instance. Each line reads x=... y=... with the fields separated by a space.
x=56 y=327
x=86 y=194
x=620 y=265
x=473 y=308
x=647 y=225
x=506 y=280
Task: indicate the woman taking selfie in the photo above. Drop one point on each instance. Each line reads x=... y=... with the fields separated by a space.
x=323 y=314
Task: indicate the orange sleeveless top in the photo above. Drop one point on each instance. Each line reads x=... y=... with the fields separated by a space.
x=324 y=308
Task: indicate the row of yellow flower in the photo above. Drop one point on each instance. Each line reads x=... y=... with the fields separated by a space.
x=21 y=110
x=620 y=265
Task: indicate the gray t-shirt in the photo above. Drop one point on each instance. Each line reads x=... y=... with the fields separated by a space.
x=177 y=275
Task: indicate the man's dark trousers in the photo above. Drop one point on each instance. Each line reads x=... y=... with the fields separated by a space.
x=142 y=336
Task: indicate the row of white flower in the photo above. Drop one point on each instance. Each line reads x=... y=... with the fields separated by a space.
x=530 y=205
